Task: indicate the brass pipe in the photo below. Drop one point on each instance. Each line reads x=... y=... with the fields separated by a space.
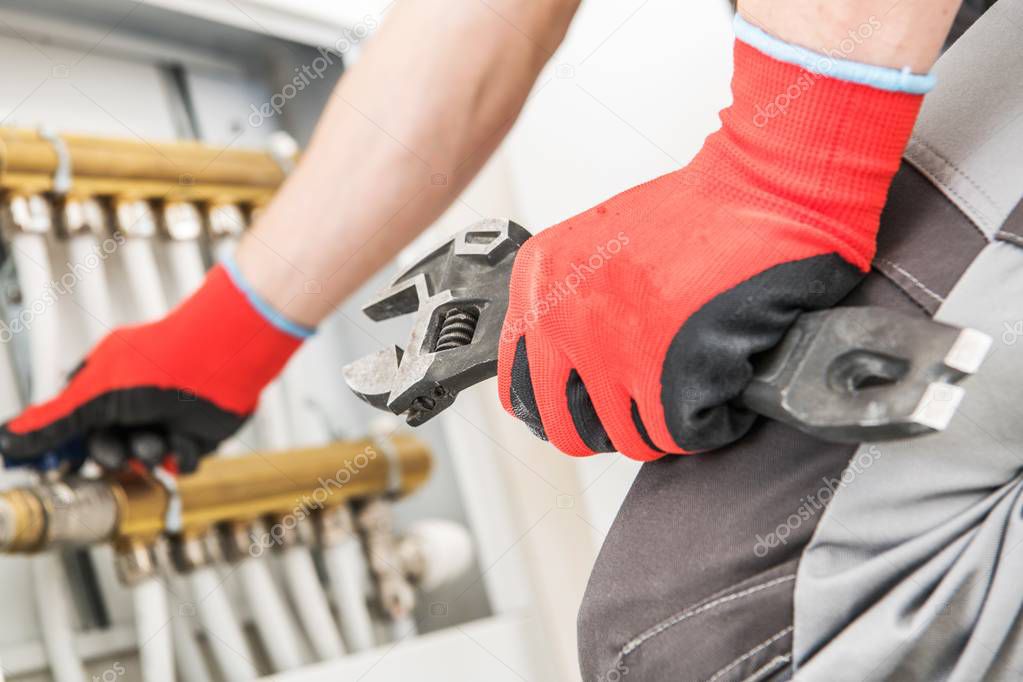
x=128 y=509
x=24 y=521
x=186 y=171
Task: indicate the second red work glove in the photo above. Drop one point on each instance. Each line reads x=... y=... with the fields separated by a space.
x=631 y=326
x=189 y=380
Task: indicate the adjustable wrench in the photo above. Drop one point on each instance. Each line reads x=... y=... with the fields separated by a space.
x=851 y=374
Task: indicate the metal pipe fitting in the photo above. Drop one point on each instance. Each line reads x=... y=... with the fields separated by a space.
x=30 y=160
x=29 y=213
x=238 y=539
x=190 y=551
x=134 y=561
x=225 y=220
x=81 y=216
x=134 y=217
x=180 y=221
x=334 y=526
x=394 y=592
x=291 y=530
x=75 y=512
x=127 y=507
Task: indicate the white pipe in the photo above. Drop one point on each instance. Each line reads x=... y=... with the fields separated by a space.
x=191 y=661
x=224 y=247
x=226 y=639
x=402 y=628
x=152 y=626
x=91 y=286
x=277 y=630
x=186 y=265
x=10 y=399
x=346 y=570
x=311 y=603
x=39 y=297
x=144 y=277
x=53 y=611
x=31 y=258
x=272 y=421
x=154 y=632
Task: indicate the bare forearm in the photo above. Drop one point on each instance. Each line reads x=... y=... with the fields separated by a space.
x=882 y=32
x=405 y=131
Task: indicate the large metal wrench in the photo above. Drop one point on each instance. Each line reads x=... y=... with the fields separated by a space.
x=851 y=374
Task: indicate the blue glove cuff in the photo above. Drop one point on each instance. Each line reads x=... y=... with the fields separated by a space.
x=881 y=77
x=267 y=311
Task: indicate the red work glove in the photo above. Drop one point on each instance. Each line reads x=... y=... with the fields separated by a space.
x=191 y=378
x=631 y=326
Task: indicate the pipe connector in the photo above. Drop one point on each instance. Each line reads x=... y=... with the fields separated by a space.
x=395 y=594
x=135 y=561
x=292 y=530
x=78 y=216
x=75 y=512
x=124 y=505
x=180 y=221
x=134 y=218
x=334 y=525
x=29 y=214
x=225 y=220
x=190 y=552
x=239 y=539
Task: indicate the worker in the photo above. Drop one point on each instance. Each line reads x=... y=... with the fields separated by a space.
x=676 y=282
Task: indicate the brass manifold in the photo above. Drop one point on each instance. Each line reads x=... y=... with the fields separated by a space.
x=131 y=510
x=174 y=171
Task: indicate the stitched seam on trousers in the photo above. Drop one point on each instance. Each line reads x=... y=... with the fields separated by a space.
x=935 y=180
x=689 y=613
x=908 y=275
x=769 y=667
x=752 y=652
x=723 y=592
x=963 y=174
x=920 y=166
x=900 y=286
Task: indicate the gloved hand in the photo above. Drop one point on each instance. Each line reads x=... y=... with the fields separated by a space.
x=631 y=326
x=190 y=379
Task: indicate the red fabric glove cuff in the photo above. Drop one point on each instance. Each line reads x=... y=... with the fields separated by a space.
x=824 y=149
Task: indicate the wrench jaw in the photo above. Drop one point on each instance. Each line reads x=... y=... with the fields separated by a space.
x=866 y=374
x=454 y=338
x=371 y=376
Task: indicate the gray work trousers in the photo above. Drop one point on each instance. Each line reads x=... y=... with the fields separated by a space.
x=784 y=556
